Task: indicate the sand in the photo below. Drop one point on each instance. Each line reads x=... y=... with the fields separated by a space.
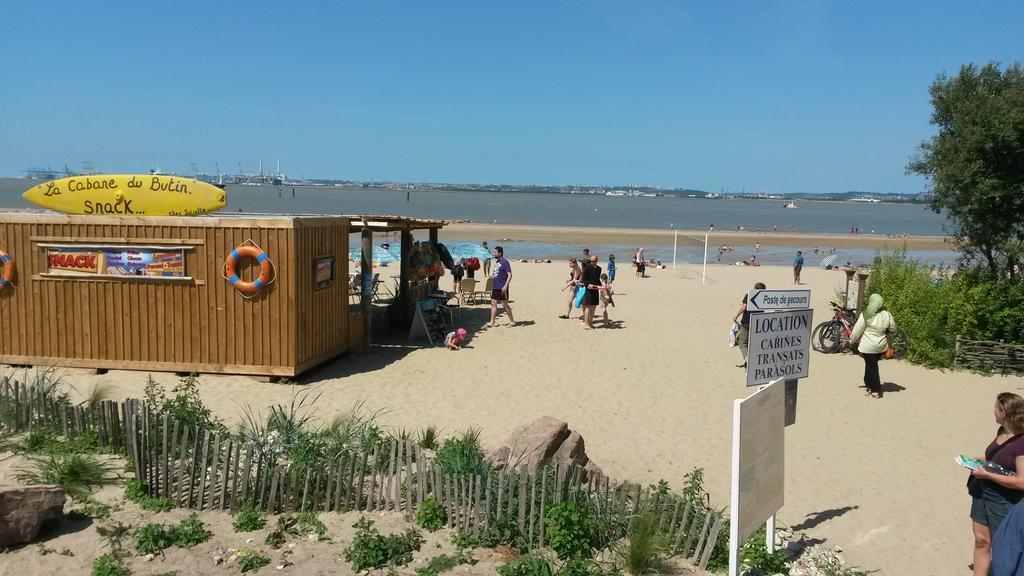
x=652 y=395
x=651 y=237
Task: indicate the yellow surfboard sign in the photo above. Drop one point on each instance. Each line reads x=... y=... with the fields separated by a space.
x=128 y=195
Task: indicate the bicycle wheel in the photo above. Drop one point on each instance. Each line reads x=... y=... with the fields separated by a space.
x=816 y=337
x=830 y=339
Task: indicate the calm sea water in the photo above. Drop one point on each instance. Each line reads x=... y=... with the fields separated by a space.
x=584 y=210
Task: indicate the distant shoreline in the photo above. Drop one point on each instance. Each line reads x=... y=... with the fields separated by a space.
x=652 y=237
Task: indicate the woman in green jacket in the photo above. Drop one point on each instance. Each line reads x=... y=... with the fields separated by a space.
x=870 y=335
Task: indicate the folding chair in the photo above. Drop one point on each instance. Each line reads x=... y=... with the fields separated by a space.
x=467 y=287
x=485 y=294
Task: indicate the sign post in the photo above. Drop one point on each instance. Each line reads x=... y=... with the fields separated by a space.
x=758 y=467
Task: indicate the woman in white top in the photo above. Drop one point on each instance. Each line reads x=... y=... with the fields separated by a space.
x=870 y=335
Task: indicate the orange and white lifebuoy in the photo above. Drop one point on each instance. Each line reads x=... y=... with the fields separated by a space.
x=6 y=270
x=231 y=269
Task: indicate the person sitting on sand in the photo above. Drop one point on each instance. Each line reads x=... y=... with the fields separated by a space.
x=606 y=296
x=454 y=339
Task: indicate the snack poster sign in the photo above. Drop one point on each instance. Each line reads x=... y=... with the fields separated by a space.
x=116 y=261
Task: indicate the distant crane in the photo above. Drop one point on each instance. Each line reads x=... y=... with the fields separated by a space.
x=195 y=171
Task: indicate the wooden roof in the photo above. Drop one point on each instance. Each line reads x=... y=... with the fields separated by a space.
x=379 y=223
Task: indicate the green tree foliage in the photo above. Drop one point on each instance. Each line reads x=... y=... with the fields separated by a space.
x=975 y=163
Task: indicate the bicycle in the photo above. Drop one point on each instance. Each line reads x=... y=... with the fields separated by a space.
x=833 y=335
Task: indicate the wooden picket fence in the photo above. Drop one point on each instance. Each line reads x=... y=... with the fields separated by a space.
x=988 y=355
x=206 y=470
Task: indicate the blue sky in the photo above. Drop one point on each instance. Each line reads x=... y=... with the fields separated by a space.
x=799 y=96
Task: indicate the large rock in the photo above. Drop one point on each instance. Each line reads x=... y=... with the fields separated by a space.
x=545 y=440
x=23 y=509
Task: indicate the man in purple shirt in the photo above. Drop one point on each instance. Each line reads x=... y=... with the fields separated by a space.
x=502 y=281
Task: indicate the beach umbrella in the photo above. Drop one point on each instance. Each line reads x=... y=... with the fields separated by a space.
x=827 y=261
x=379 y=255
x=461 y=250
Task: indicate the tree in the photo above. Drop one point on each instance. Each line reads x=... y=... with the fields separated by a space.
x=975 y=164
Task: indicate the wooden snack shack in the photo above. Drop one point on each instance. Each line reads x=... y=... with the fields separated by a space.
x=234 y=295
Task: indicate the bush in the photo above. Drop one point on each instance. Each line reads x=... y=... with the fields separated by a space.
x=462 y=455
x=249 y=518
x=78 y=474
x=431 y=515
x=369 y=549
x=251 y=560
x=428 y=438
x=190 y=532
x=570 y=529
x=504 y=532
x=310 y=524
x=444 y=563
x=113 y=535
x=91 y=509
x=932 y=307
x=646 y=547
x=185 y=405
x=754 y=555
x=528 y=565
x=153 y=538
x=109 y=565
x=135 y=491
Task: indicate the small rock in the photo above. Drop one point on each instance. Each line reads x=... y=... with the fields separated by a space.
x=148 y=557
x=314 y=537
x=218 y=560
x=291 y=544
x=838 y=550
x=250 y=540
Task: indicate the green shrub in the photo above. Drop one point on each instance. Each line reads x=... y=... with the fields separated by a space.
x=570 y=529
x=754 y=555
x=251 y=560
x=249 y=518
x=369 y=549
x=92 y=509
x=153 y=538
x=462 y=455
x=428 y=438
x=932 y=307
x=431 y=515
x=78 y=474
x=504 y=532
x=184 y=405
x=113 y=535
x=310 y=524
x=444 y=563
x=190 y=532
x=135 y=491
x=109 y=565
x=646 y=547
x=528 y=565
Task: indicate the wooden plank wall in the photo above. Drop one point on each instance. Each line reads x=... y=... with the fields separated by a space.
x=202 y=326
x=321 y=314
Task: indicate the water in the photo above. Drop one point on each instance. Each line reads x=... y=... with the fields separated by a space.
x=568 y=209
x=589 y=211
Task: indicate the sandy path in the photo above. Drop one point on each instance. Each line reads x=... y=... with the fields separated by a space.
x=653 y=399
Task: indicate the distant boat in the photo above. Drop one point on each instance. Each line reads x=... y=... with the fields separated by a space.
x=790 y=204
x=862 y=199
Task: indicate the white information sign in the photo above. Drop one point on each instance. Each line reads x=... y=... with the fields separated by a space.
x=758 y=464
x=852 y=293
x=779 y=346
x=760 y=300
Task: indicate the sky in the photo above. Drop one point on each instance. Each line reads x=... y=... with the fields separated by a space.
x=786 y=97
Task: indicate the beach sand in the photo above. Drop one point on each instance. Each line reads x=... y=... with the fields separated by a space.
x=651 y=237
x=652 y=394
